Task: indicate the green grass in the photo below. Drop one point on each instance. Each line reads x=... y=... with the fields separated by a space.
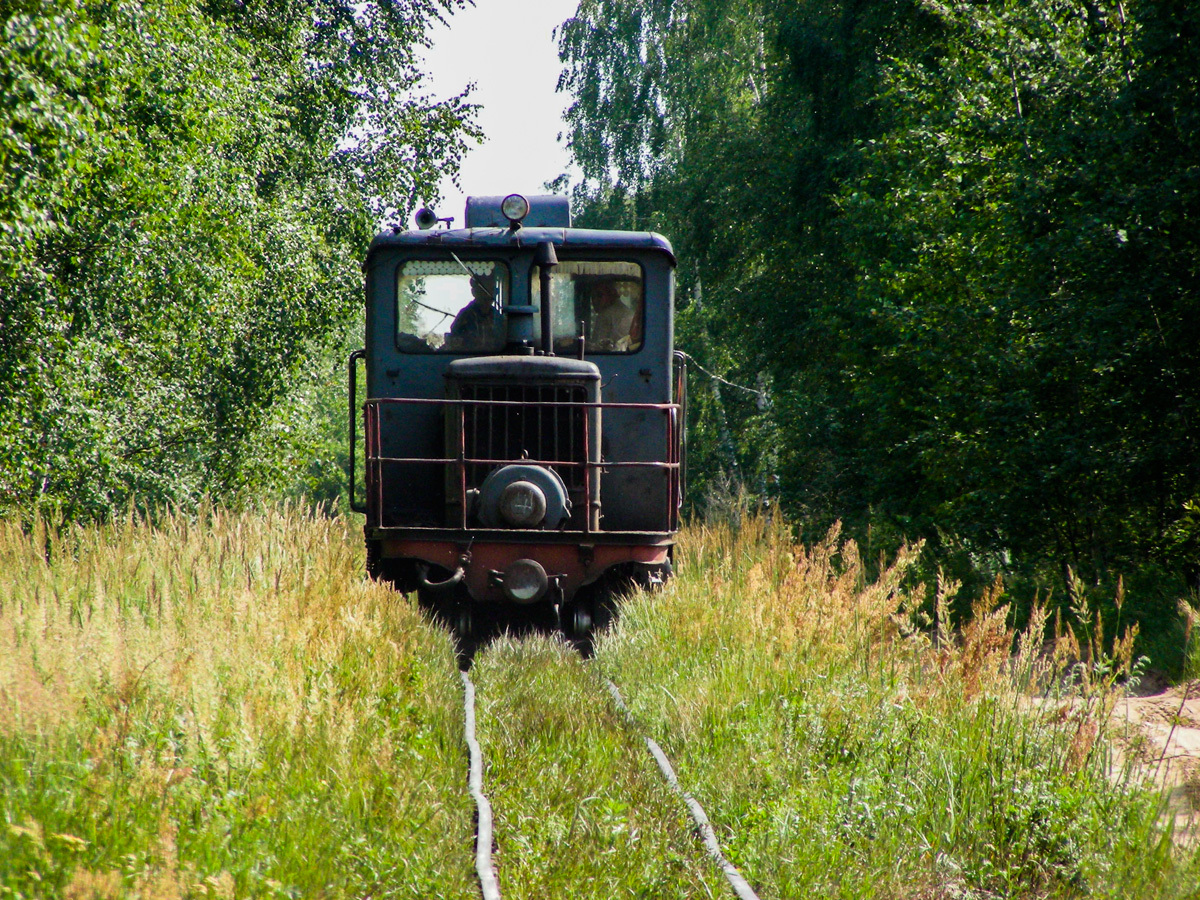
x=843 y=754
x=581 y=810
x=220 y=707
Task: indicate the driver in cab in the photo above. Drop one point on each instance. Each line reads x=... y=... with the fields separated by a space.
x=479 y=325
x=616 y=322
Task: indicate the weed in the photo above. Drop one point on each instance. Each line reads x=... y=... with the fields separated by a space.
x=850 y=747
x=221 y=706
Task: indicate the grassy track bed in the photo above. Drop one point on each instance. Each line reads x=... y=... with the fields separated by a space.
x=221 y=707
x=581 y=810
x=840 y=753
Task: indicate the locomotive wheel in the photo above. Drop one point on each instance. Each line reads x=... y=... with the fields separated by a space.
x=580 y=618
x=577 y=619
x=577 y=623
x=463 y=621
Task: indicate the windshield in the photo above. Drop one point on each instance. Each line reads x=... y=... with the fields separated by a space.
x=601 y=300
x=451 y=306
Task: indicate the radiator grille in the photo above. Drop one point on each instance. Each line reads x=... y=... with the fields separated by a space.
x=546 y=433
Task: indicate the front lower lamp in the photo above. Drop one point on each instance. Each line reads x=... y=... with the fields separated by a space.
x=525 y=581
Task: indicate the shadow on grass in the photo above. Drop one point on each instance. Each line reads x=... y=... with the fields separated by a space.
x=475 y=626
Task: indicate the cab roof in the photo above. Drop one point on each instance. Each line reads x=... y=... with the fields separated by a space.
x=530 y=237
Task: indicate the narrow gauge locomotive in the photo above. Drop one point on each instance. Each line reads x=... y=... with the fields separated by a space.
x=521 y=452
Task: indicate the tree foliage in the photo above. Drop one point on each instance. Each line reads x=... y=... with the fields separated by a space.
x=957 y=241
x=186 y=189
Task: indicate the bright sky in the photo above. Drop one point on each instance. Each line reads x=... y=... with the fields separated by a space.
x=506 y=48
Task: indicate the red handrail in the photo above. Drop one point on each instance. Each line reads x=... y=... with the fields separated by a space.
x=375 y=461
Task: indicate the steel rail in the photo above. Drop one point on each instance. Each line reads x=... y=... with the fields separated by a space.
x=483 y=830
x=740 y=886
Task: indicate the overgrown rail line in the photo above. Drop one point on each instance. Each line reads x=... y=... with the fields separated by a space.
x=704 y=828
x=484 y=832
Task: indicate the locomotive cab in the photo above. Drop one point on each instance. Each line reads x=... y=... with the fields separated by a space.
x=523 y=418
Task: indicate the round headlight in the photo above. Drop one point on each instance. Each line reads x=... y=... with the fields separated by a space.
x=523 y=504
x=514 y=207
x=525 y=581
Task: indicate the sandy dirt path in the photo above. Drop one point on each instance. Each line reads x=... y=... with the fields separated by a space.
x=1160 y=736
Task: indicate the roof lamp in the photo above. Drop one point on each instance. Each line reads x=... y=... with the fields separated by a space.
x=514 y=207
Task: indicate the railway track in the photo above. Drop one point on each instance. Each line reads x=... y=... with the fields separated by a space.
x=485 y=836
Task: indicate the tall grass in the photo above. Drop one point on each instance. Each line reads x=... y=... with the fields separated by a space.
x=219 y=705
x=848 y=748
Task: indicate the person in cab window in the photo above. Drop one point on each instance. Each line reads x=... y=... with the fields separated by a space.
x=616 y=320
x=479 y=325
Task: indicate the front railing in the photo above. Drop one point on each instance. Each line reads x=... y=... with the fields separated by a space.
x=579 y=469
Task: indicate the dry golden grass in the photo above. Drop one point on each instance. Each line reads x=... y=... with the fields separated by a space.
x=231 y=608
x=162 y=664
